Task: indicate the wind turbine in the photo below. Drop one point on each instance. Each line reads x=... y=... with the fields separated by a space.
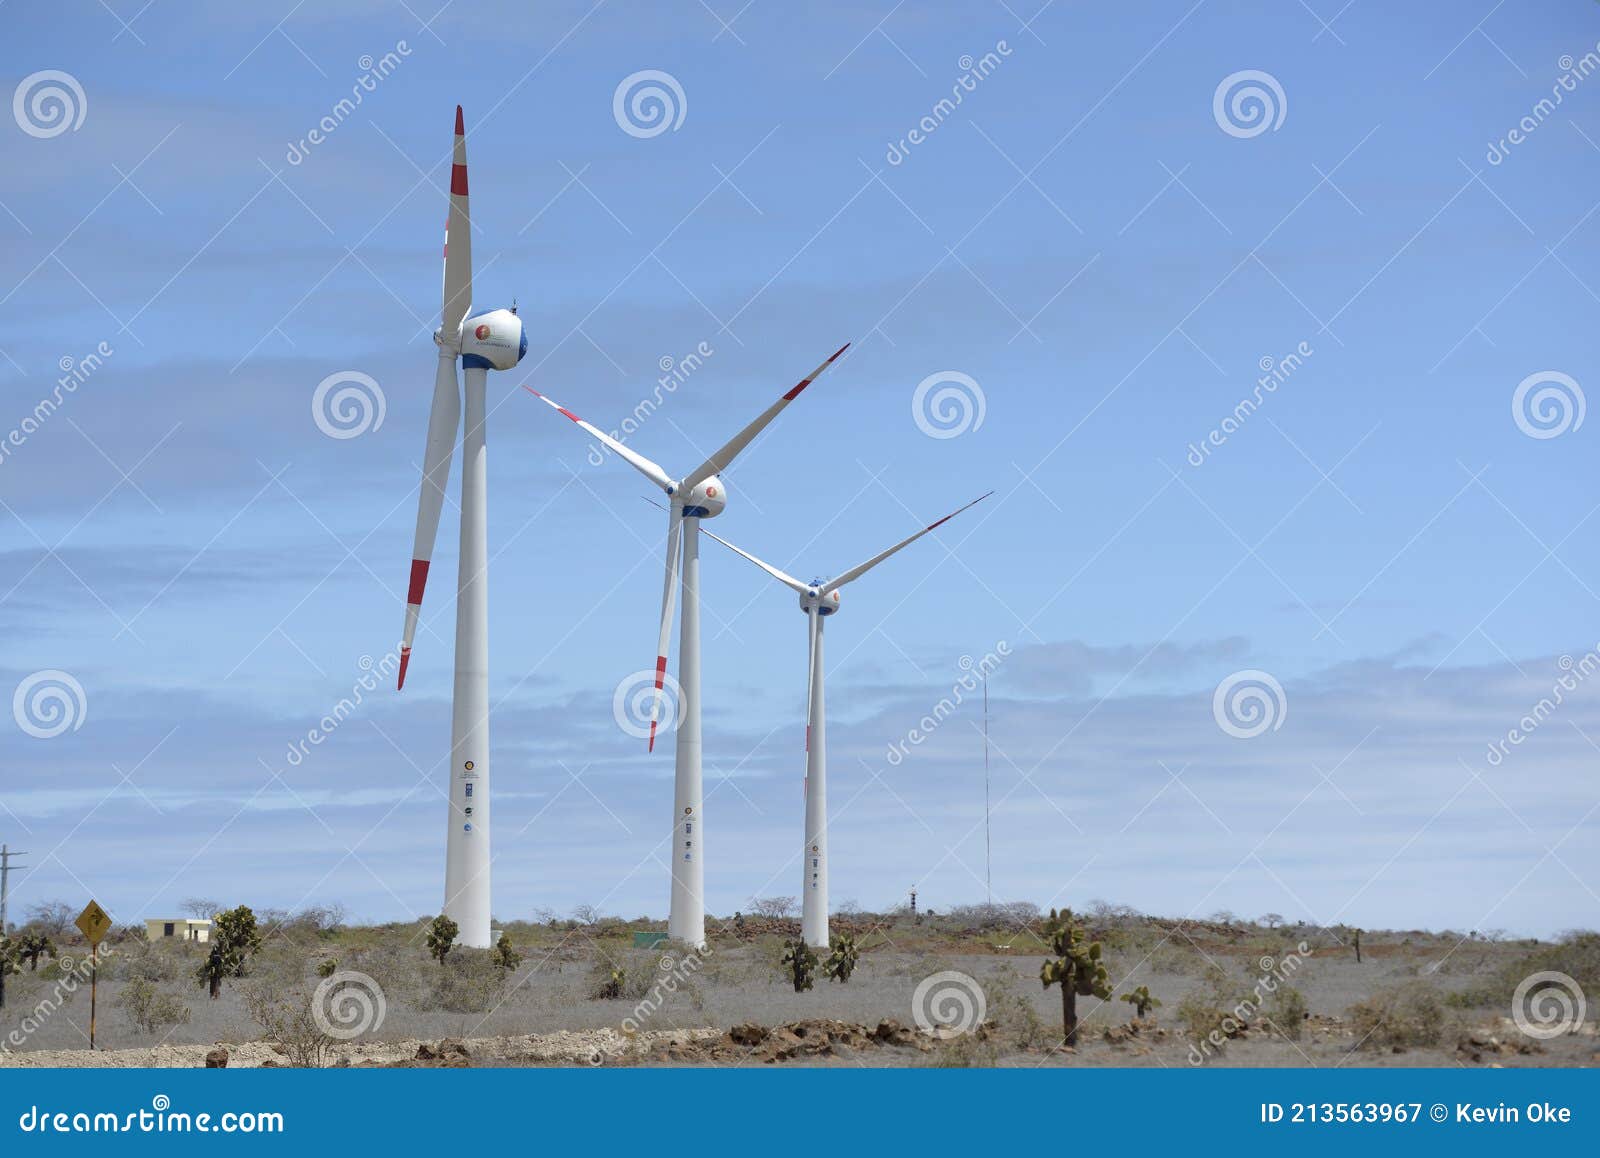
x=820 y=599
x=495 y=340
x=700 y=494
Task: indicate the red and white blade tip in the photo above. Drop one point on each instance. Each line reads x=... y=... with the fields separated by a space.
x=812 y=377
x=655 y=709
x=461 y=130
x=953 y=514
x=545 y=398
x=419 y=581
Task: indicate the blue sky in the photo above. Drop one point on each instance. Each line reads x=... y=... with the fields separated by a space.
x=1081 y=237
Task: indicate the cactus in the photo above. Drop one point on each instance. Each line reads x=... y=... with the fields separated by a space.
x=236 y=931
x=32 y=945
x=442 y=934
x=504 y=955
x=1355 y=937
x=802 y=963
x=1075 y=967
x=1141 y=1001
x=611 y=988
x=842 y=960
x=213 y=969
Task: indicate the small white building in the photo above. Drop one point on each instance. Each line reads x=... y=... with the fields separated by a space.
x=177 y=929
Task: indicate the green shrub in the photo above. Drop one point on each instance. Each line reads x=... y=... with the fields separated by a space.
x=1286 y=1012
x=150 y=1008
x=1406 y=1015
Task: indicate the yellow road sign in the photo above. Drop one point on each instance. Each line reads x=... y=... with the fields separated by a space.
x=94 y=923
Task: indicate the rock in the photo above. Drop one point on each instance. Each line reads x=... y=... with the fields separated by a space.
x=217 y=1059
x=748 y=1034
x=453 y=1047
x=425 y=1052
x=891 y=1032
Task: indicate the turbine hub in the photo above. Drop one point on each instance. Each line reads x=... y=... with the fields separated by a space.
x=496 y=340
x=825 y=604
x=707 y=500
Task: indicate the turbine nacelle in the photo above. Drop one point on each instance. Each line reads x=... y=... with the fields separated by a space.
x=496 y=340
x=706 y=500
x=812 y=598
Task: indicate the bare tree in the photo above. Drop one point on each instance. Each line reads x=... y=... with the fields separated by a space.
x=1271 y=920
x=585 y=914
x=773 y=907
x=51 y=917
x=201 y=908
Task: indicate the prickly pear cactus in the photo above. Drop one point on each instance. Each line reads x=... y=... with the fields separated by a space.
x=1141 y=1001
x=1076 y=967
x=802 y=963
x=842 y=959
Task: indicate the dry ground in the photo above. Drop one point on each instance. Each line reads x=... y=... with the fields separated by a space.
x=1415 y=999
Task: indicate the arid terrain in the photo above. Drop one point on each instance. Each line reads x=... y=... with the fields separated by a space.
x=961 y=989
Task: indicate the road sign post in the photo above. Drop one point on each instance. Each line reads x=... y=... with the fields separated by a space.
x=93 y=923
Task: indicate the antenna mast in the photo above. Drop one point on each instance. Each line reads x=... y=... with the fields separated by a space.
x=988 y=878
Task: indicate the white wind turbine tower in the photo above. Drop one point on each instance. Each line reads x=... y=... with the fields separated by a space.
x=700 y=494
x=495 y=340
x=820 y=599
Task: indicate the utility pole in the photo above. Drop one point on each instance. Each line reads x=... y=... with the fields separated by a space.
x=5 y=891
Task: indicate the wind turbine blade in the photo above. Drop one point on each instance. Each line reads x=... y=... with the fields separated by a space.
x=639 y=462
x=719 y=461
x=669 y=591
x=781 y=576
x=862 y=568
x=457 y=241
x=443 y=421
